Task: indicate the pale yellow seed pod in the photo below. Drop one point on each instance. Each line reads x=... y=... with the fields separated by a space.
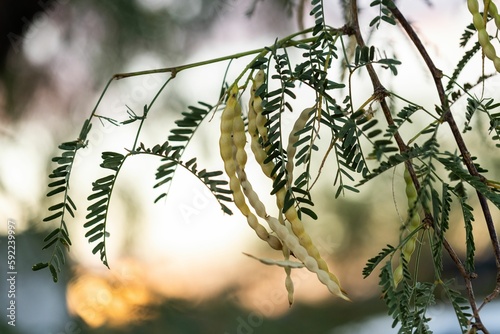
x=414 y=221
x=488 y=48
x=477 y=20
x=230 y=169
x=226 y=150
x=480 y=25
x=241 y=157
x=398 y=274
x=473 y=6
x=411 y=194
x=411 y=191
x=232 y=150
x=274 y=242
x=257 y=227
x=226 y=126
x=299 y=241
x=496 y=62
x=239 y=199
x=493 y=10
x=289 y=286
x=291 y=214
x=239 y=138
x=239 y=131
x=252 y=196
x=259 y=79
x=301 y=253
x=311 y=264
x=299 y=124
x=256 y=104
x=226 y=129
x=226 y=144
x=409 y=248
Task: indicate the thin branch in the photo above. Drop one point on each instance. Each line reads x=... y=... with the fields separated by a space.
x=447 y=116
x=283 y=43
x=381 y=93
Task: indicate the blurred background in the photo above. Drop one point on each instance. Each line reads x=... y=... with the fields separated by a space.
x=177 y=266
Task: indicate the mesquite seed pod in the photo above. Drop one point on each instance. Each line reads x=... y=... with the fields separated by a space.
x=493 y=11
x=260 y=209
x=233 y=160
x=496 y=62
x=297 y=240
x=473 y=6
x=488 y=48
x=477 y=20
x=480 y=25
x=256 y=130
x=260 y=156
x=414 y=222
x=292 y=242
x=300 y=123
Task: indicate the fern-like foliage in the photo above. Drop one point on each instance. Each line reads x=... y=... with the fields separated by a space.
x=472 y=106
x=398 y=301
x=274 y=103
x=459 y=304
x=462 y=63
x=441 y=207
x=319 y=16
x=402 y=117
x=423 y=298
x=182 y=134
x=393 y=161
x=374 y=262
x=384 y=13
x=172 y=158
x=474 y=181
x=299 y=194
x=469 y=236
x=348 y=153
x=313 y=70
x=486 y=106
x=467 y=34
x=97 y=218
x=409 y=303
x=59 y=237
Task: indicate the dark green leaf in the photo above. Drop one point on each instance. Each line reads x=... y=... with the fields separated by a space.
x=54 y=216
x=99 y=247
x=53 y=272
x=309 y=212
x=39 y=266
x=56 y=191
x=51 y=234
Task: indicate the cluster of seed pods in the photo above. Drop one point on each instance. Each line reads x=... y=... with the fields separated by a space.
x=228 y=142
x=292 y=237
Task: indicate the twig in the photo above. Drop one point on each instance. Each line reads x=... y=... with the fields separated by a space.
x=381 y=93
x=447 y=116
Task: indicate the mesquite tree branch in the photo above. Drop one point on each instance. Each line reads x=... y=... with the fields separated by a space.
x=447 y=116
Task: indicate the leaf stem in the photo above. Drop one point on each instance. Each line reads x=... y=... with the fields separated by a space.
x=285 y=42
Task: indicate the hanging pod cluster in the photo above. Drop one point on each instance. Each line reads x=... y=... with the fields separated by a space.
x=479 y=23
x=288 y=233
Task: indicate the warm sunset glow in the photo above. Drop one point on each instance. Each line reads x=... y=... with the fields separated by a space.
x=109 y=298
